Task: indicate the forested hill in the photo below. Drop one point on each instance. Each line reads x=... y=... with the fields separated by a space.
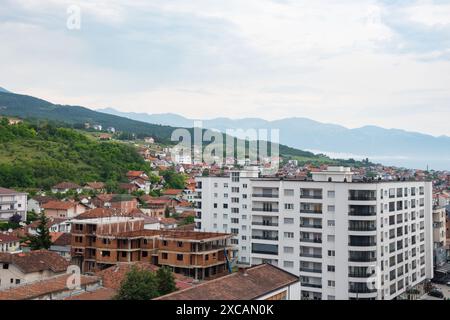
x=34 y=156
x=28 y=107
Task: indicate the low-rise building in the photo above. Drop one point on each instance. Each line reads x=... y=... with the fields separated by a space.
x=65 y=187
x=100 y=243
x=20 y=268
x=261 y=282
x=63 y=209
x=9 y=243
x=12 y=202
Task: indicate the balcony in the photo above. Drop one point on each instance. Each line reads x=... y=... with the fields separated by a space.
x=265 y=195
x=309 y=225
x=265 y=209
x=269 y=224
x=311 y=285
x=310 y=240
x=272 y=238
x=310 y=255
x=311 y=196
x=310 y=270
x=362 y=211
x=362 y=195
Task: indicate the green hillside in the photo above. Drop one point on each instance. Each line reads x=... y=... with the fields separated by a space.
x=39 y=156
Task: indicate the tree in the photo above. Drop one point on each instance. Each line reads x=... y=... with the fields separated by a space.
x=166 y=281
x=139 y=284
x=42 y=240
x=167 y=212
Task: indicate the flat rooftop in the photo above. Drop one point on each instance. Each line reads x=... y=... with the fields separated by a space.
x=187 y=235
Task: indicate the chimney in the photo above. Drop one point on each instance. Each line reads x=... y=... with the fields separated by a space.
x=243 y=270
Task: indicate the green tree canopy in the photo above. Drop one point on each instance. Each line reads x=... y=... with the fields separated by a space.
x=139 y=284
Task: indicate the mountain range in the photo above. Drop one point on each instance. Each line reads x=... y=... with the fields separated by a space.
x=389 y=146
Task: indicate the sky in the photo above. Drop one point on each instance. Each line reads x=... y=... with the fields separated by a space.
x=349 y=62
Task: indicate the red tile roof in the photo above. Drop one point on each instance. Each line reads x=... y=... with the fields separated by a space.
x=7 y=237
x=8 y=191
x=66 y=185
x=38 y=289
x=35 y=261
x=173 y=192
x=249 y=285
x=59 y=205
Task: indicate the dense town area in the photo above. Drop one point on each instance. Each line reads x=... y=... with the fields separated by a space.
x=150 y=228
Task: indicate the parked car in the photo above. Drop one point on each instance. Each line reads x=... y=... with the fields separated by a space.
x=436 y=293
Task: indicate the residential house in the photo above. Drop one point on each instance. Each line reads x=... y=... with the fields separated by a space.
x=53 y=225
x=35 y=203
x=98 y=187
x=9 y=242
x=260 y=282
x=61 y=244
x=65 y=187
x=12 y=202
x=20 y=268
x=51 y=288
x=63 y=209
x=103 y=200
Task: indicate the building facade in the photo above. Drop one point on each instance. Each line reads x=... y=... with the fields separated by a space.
x=11 y=203
x=337 y=234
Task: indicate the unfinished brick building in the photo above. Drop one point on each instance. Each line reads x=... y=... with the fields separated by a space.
x=100 y=243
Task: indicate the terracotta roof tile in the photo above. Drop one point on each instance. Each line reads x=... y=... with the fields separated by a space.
x=35 y=261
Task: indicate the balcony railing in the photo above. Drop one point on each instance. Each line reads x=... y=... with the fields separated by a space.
x=265 y=195
x=311 y=285
x=265 y=252
x=362 y=198
x=307 y=225
x=265 y=210
x=311 y=270
x=273 y=238
x=269 y=224
x=310 y=255
x=311 y=240
x=311 y=196
x=310 y=211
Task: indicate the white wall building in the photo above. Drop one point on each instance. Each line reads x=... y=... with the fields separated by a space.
x=334 y=233
x=12 y=202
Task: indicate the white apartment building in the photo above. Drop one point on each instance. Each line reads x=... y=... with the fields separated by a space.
x=12 y=202
x=337 y=234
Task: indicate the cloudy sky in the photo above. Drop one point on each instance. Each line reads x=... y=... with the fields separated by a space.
x=351 y=62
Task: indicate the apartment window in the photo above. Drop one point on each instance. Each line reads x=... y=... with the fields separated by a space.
x=289 y=206
x=215 y=185
x=235 y=189
x=225 y=195
x=234 y=241
x=331 y=253
x=225 y=205
x=225 y=226
x=215 y=215
x=330 y=238
x=331 y=297
x=206 y=257
x=244 y=228
x=216 y=195
x=215 y=225
x=234 y=230
x=289 y=192
x=330 y=194
x=179 y=257
x=289 y=235
x=179 y=244
x=5 y=266
x=331 y=223
x=106 y=253
x=234 y=210
x=225 y=216
x=215 y=205
x=244 y=196
x=331 y=283
x=244 y=217
x=330 y=208
x=225 y=185
x=144 y=254
x=288 y=220
x=331 y=268
x=164 y=243
x=288 y=264
x=124 y=254
x=234 y=200
x=244 y=249
x=288 y=249
x=244 y=186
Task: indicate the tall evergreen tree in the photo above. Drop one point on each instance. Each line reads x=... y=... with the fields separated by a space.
x=42 y=240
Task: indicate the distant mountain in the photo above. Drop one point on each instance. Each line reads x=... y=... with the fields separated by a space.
x=28 y=107
x=4 y=90
x=390 y=146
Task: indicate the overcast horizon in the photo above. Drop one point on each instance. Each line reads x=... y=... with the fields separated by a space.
x=352 y=63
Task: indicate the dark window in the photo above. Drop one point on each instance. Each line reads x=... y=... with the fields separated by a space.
x=164 y=243
x=164 y=255
x=179 y=257
x=179 y=244
x=5 y=266
x=144 y=254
